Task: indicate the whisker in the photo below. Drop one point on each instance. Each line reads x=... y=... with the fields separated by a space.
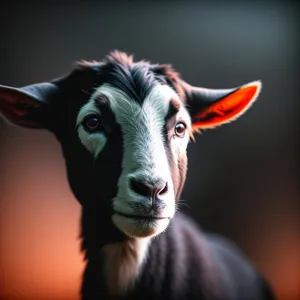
x=86 y=92
x=182 y=203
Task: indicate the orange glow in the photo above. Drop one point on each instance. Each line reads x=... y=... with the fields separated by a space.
x=39 y=227
x=226 y=109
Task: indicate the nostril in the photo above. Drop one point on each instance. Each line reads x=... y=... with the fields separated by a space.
x=148 y=190
x=141 y=188
x=163 y=190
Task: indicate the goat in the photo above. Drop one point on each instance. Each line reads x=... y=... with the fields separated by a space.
x=124 y=127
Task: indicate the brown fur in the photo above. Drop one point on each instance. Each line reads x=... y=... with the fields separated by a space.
x=122 y=264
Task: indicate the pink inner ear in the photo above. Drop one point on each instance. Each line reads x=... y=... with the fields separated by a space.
x=17 y=110
x=227 y=109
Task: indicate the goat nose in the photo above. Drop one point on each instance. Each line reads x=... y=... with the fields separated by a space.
x=148 y=190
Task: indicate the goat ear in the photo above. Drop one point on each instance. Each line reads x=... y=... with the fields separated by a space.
x=210 y=107
x=27 y=106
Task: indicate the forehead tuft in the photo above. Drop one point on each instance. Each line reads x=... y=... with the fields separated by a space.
x=135 y=79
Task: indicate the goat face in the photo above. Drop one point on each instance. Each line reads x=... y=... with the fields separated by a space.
x=124 y=129
x=155 y=132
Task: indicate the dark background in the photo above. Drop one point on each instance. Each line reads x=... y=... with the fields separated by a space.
x=242 y=177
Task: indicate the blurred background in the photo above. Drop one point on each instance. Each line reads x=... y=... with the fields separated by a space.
x=242 y=179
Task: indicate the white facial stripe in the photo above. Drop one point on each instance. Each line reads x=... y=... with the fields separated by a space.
x=93 y=142
x=183 y=115
x=142 y=126
x=144 y=152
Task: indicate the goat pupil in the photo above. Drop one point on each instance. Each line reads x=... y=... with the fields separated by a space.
x=180 y=129
x=92 y=122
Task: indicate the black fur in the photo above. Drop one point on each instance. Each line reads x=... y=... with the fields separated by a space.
x=185 y=263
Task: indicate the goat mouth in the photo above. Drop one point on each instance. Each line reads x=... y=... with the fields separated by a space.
x=140 y=226
x=139 y=217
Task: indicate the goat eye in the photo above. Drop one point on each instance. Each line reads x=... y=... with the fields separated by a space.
x=92 y=122
x=180 y=129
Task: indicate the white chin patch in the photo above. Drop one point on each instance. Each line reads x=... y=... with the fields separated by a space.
x=140 y=228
